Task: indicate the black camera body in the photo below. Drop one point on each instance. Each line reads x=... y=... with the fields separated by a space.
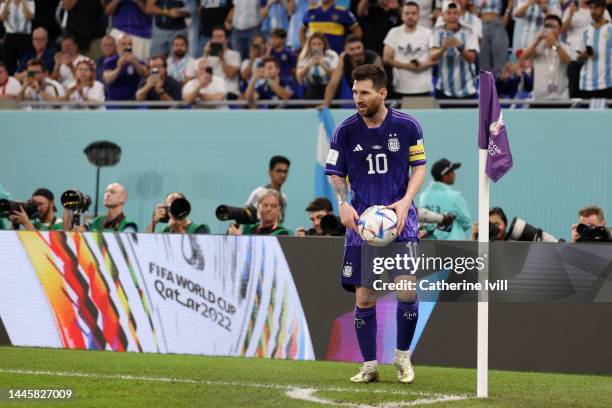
x=75 y=200
x=179 y=209
x=591 y=233
x=215 y=49
x=7 y=207
x=332 y=226
x=241 y=215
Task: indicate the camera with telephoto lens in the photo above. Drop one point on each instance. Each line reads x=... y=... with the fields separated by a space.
x=179 y=209
x=7 y=207
x=241 y=215
x=520 y=230
x=592 y=233
x=75 y=200
x=332 y=226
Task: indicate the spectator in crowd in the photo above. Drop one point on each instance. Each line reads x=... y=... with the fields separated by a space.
x=85 y=88
x=468 y=18
x=316 y=66
x=158 y=86
x=278 y=49
x=593 y=216
x=550 y=61
x=212 y=14
x=269 y=212
x=455 y=48
x=278 y=170
x=9 y=86
x=17 y=16
x=66 y=61
x=46 y=17
x=168 y=22
x=245 y=20
x=353 y=56
x=109 y=49
x=205 y=86
x=426 y=10
x=376 y=19
x=317 y=209
x=115 y=197
x=275 y=15
x=268 y=85
x=497 y=217
x=37 y=86
x=576 y=19
x=491 y=30
x=181 y=66
x=333 y=21
x=532 y=14
x=129 y=17
x=40 y=50
x=296 y=21
x=596 y=52
x=516 y=80
x=46 y=220
x=174 y=225
x=407 y=51
x=122 y=72
x=224 y=61
x=441 y=198
x=87 y=24
x=257 y=51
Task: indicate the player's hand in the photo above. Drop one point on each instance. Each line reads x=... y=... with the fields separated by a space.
x=349 y=216
x=401 y=208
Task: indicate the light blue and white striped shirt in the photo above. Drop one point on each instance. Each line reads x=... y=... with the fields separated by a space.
x=489 y=6
x=457 y=77
x=596 y=73
x=532 y=22
x=16 y=21
x=246 y=14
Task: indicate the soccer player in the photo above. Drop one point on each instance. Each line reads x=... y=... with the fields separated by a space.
x=375 y=149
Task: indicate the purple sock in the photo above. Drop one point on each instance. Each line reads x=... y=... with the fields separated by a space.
x=407 y=317
x=365 y=327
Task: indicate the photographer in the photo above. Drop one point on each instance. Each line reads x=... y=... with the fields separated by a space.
x=318 y=209
x=177 y=224
x=269 y=213
x=498 y=219
x=591 y=217
x=158 y=86
x=46 y=219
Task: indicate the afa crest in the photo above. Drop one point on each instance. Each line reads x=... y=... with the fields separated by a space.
x=393 y=144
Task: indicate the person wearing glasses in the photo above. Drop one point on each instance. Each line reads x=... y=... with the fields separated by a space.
x=278 y=170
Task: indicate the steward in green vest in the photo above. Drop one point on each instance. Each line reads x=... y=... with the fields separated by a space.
x=115 y=197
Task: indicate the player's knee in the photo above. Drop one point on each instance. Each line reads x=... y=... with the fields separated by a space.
x=406 y=296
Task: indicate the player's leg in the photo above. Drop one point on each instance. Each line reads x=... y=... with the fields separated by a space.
x=365 y=328
x=407 y=316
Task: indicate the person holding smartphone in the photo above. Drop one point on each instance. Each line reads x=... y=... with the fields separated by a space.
x=205 y=86
x=158 y=86
x=123 y=71
x=316 y=65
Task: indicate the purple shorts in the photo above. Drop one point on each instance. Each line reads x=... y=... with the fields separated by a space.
x=362 y=265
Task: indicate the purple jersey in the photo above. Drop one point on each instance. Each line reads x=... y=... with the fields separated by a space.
x=377 y=163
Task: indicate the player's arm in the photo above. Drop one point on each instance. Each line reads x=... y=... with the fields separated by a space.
x=348 y=215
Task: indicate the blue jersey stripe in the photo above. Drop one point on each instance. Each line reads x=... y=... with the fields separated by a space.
x=462 y=68
x=450 y=72
x=583 y=80
x=608 y=61
x=595 y=66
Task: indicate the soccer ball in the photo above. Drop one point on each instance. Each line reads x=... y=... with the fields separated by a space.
x=378 y=226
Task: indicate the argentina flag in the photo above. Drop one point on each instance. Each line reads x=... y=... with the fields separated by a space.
x=325 y=131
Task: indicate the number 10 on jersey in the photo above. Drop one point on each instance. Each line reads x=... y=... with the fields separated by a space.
x=377 y=164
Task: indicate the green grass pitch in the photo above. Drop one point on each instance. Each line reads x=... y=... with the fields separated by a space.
x=107 y=379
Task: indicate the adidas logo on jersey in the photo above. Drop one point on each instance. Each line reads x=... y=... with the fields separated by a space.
x=358 y=148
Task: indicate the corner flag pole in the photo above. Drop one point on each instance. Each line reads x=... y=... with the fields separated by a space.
x=482 y=359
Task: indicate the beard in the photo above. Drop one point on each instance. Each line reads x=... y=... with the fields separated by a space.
x=180 y=53
x=370 y=111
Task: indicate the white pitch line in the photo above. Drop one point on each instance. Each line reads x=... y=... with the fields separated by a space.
x=430 y=397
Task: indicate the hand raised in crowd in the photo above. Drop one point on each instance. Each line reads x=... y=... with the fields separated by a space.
x=124 y=59
x=178 y=12
x=451 y=42
x=550 y=39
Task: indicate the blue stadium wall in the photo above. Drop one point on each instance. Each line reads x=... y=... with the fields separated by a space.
x=563 y=158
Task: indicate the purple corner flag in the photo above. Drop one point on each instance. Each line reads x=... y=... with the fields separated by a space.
x=492 y=129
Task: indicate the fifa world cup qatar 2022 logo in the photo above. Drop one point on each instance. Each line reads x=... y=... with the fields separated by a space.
x=495 y=129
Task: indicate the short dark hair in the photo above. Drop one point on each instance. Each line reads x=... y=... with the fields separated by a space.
x=180 y=37
x=278 y=32
x=270 y=58
x=35 y=61
x=159 y=57
x=351 y=38
x=217 y=28
x=320 y=204
x=592 y=210
x=412 y=3
x=554 y=17
x=373 y=72
x=278 y=159
x=499 y=212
